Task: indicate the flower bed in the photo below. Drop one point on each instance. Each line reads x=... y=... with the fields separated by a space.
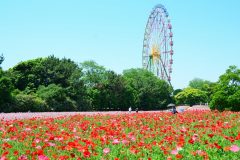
x=150 y=135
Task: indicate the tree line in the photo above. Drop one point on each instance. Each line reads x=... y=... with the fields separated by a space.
x=53 y=84
x=221 y=95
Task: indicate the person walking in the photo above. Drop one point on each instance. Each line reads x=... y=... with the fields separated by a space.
x=136 y=110
x=174 y=110
x=129 y=109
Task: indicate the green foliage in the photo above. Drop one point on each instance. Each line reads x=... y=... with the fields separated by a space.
x=191 y=96
x=26 y=74
x=93 y=78
x=227 y=91
x=77 y=91
x=176 y=91
x=93 y=74
x=234 y=101
x=27 y=102
x=112 y=93
x=56 y=98
x=6 y=87
x=42 y=71
x=200 y=84
x=203 y=85
x=105 y=89
x=1 y=59
x=45 y=84
x=1 y=72
x=146 y=91
x=58 y=71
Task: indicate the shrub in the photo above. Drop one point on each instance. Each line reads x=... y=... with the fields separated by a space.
x=227 y=91
x=24 y=103
x=56 y=98
x=191 y=96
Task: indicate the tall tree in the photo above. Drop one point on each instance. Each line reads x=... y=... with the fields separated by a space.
x=43 y=71
x=93 y=77
x=203 y=85
x=227 y=91
x=1 y=59
x=56 y=98
x=147 y=91
x=77 y=91
x=113 y=93
x=198 y=83
x=105 y=89
x=93 y=74
x=191 y=96
x=28 y=76
x=6 y=87
x=58 y=71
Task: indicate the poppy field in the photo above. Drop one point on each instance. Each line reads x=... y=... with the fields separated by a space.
x=148 y=135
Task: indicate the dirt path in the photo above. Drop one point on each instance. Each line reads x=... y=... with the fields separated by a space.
x=196 y=107
x=28 y=115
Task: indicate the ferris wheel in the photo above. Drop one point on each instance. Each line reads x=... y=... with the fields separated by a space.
x=158 y=44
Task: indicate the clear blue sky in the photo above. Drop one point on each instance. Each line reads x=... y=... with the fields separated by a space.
x=110 y=32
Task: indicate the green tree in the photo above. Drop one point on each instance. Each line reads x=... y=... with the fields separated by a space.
x=147 y=92
x=42 y=71
x=176 y=91
x=1 y=59
x=56 y=98
x=200 y=84
x=25 y=74
x=28 y=102
x=203 y=85
x=1 y=72
x=6 y=87
x=191 y=96
x=29 y=75
x=94 y=76
x=77 y=91
x=58 y=71
x=113 y=93
x=227 y=91
x=105 y=89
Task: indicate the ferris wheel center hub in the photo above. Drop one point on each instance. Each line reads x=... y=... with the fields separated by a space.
x=155 y=54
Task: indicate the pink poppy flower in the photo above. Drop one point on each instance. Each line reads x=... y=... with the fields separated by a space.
x=234 y=148
x=38 y=147
x=133 y=139
x=183 y=129
x=37 y=140
x=179 y=148
x=43 y=157
x=125 y=141
x=106 y=150
x=51 y=144
x=3 y=158
x=28 y=129
x=175 y=152
x=116 y=141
